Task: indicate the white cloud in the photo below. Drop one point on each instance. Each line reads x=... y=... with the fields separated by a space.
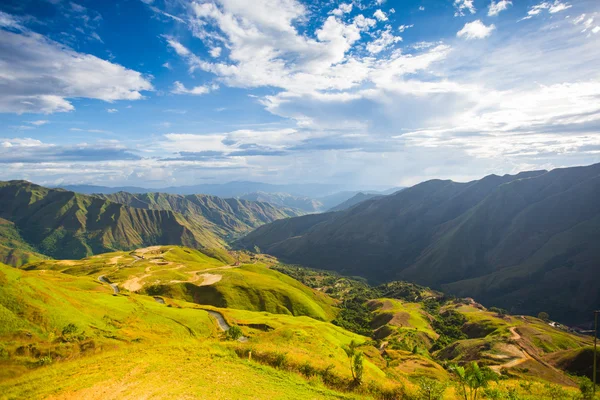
x=552 y=8
x=402 y=28
x=112 y=110
x=463 y=5
x=167 y=65
x=383 y=42
x=215 y=52
x=380 y=15
x=421 y=8
x=342 y=9
x=496 y=7
x=39 y=75
x=475 y=30
x=587 y=23
x=39 y=122
x=179 y=88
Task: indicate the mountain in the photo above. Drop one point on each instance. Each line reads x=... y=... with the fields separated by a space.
x=92 y=189
x=57 y=223
x=335 y=199
x=321 y=192
x=303 y=203
x=525 y=242
x=354 y=200
x=226 y=218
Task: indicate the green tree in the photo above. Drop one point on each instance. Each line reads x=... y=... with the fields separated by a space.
x=544 y=316
x=234 y=332
x=586 y=387
x=472 y=380
x=356 y=361
x=430 y=389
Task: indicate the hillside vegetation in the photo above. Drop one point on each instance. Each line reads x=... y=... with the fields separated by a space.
x=524 y=242
x=66 y=333
x=36 y=221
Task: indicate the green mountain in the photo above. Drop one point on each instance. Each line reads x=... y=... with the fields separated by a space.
x=303 y=203
x=526 y=242
x=63 y=224
x=226 y=218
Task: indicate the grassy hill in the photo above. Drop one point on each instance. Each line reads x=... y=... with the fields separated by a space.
x=65 y=334
x=37 y=221
x=524 y=242
x=210 y=279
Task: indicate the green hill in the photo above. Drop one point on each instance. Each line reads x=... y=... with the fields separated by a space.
x=525 y=242
x=37 y=221
x=209 y=279
x=64 y=333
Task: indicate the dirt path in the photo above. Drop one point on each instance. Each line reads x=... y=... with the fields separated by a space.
x=223 y=324
x=115 y=288
x=519 y=352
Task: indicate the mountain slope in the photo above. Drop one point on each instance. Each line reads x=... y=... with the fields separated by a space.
x=64 y=224
x=224 y=217
x=286 y=200
x=354 y=200
x=525 y=242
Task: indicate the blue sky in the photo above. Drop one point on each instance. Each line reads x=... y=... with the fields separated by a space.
x=367 y=92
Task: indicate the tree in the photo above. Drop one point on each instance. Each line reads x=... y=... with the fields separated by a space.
x=430 y=389
x=544 y=316
x=472 y=379
x=234 y=332
x=356 y=361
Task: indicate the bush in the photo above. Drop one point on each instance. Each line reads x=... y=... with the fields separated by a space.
x=45 y=360
x=430 y=389
x=280 y=360
x=544 y=316
x=234 y=333
x=69 y=329
x=307 y=369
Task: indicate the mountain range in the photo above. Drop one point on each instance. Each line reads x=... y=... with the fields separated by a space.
x=526 y=242
x=308 y=198
x=36 y=221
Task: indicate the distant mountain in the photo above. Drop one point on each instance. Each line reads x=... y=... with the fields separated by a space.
x=226 y=218
x=36 y=221
x=526 y=242
x=303 y=203
x=338 y=198
x=91 y=189
x=354 y=200
x=234 y=189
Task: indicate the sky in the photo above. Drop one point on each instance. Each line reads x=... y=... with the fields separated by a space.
x=161 y=93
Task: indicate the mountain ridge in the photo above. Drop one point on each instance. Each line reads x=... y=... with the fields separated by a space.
x=483 y=238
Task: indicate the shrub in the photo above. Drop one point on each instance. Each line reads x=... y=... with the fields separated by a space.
x=307 y=369
x=45 y=360
x=544 y=316
x=69 y=329
x=234 y=333
x=280 y=360
x=430 y=389
x=586 y=387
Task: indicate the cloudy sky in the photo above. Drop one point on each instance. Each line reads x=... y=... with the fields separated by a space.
x=367 y=92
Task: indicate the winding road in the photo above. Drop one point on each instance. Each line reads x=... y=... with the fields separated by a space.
x=102 y=279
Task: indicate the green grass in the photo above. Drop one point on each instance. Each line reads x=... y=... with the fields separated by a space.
x=188 y=369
